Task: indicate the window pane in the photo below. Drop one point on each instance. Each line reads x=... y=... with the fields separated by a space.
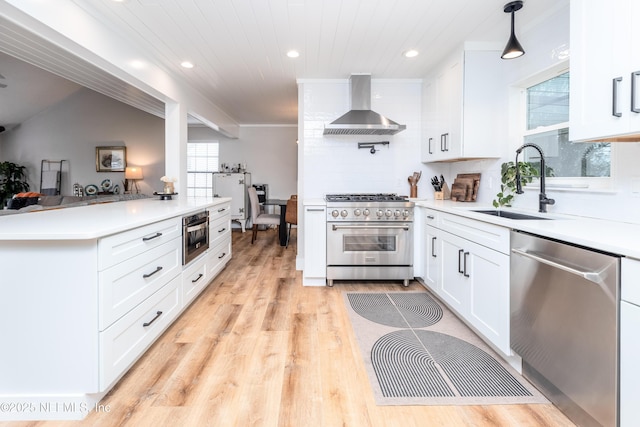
x=567 y=159
x=548 y=102
x=202 y=161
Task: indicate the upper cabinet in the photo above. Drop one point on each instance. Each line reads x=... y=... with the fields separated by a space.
x=463 y=103
x=605 y=71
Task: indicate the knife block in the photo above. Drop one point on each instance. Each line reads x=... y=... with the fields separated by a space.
x=445 y=194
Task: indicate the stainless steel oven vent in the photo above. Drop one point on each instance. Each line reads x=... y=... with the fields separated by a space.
x=361 y=120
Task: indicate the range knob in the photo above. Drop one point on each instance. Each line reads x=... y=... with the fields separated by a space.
x=344 y=213
x=335 y=213
x=357 y=212
x=405 y=213
x=380 y=212
x=388 y=213
x=396 y=213
x=366 y=212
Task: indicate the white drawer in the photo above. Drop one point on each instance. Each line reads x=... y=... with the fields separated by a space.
x=489 y=235
x=127 y=284
x=219 y=230
x=218 y=257
x=126 y=340
x=431 y=217
x=122 y=246
x=219 y=211
x=194 y=279
x=630 y=280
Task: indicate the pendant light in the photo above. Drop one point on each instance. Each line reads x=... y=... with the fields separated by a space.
x=513 y=48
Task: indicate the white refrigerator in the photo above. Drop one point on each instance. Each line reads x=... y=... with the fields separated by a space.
x=234 y=185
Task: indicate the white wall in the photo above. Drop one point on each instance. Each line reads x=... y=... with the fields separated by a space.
x=270 y=152
x=334 y=164
x=72 y=129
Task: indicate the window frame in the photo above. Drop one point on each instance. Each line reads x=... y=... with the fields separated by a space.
x=558 y=183
x=209 y=188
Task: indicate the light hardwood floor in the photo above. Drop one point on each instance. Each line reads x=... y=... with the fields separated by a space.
x=259 y=349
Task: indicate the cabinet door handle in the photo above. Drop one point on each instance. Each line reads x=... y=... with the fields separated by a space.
x=442 y=142
x=146 y=276
x=634 y=78
x=155 y=236
x=446 y=142
x=465 y=264
x=616 y=84
x=197 y=278
x=222 y=230
x=433 y=247
x=158 y=314
x=222 y=256
x=460 y=262
x=430 y=139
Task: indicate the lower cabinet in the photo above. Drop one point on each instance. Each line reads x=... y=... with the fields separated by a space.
x=466 y=271
x=475 y=283
x=629 y=343
x=315 y=245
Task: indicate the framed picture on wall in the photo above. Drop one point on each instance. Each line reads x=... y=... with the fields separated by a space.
x=111 y=159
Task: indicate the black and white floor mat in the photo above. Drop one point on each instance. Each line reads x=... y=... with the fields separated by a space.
x=418 y=353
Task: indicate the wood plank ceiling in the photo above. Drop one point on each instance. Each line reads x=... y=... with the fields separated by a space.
x=239 y=46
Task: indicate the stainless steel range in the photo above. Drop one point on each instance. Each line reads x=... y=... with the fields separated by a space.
x=369 y=237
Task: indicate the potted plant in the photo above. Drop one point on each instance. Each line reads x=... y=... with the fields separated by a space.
x=13 y=180
x=508 y=185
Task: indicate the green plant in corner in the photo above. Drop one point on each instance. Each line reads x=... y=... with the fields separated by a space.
x=508 y=185
x=13 y=180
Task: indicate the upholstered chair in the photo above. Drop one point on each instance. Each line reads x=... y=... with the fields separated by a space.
x=291 y=215
x=257 y=216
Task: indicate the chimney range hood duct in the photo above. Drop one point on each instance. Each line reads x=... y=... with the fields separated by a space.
x=360 y=120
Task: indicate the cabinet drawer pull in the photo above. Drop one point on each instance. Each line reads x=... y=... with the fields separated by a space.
x=433 y=247
x=222 y=230
x=634 y=78
x=464 y=268
x=146 y=239
x=222 y=209
x=460 y=262
x=197 y=278
x=158 y=314
x=430 y=139
x=614 y=110
x=315 y=210
x=222 y=256
x=146 y=276
x=431 y=217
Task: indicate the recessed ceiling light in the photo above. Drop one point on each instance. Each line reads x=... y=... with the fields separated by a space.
x=411 y=53
x=293 y=54
x=138 y=64
x=187 y=64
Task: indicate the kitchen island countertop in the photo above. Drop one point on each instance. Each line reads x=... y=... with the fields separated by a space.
x=98 y=220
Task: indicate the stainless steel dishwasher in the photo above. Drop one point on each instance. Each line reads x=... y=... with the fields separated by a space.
x=564 y=325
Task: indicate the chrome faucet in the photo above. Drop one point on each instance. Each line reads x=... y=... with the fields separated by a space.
x=543 y=200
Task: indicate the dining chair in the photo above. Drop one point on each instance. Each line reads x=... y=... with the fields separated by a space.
x=291 y=215
x=257 y=216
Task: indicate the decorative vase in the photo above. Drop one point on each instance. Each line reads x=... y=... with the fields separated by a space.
x=168 y=188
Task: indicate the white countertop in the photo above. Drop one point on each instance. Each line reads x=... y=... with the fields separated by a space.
x=605 y=235
x=94 y=221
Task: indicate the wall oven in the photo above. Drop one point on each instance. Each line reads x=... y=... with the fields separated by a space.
x=195 y=235
x=369 y=237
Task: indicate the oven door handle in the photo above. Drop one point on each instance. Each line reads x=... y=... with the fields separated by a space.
x=197 y=227
x=369 y=227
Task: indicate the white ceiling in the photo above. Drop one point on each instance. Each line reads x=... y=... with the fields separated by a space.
x=239 y=46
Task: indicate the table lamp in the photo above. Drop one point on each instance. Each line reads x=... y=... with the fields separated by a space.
x=133 y=173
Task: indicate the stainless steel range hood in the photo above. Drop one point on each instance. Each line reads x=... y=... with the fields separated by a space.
x=361 y=120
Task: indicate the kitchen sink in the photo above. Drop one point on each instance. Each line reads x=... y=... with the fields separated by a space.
x=510 y=215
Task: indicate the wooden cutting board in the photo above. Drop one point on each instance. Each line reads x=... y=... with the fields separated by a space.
x=458 y=192
x=468 y=184
x=476 y=183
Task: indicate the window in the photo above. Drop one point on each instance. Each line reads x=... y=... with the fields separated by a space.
x=202 y=161
x=547 y=125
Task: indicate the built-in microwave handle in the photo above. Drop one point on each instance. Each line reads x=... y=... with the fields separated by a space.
x=614 y=110
x=200 y=226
